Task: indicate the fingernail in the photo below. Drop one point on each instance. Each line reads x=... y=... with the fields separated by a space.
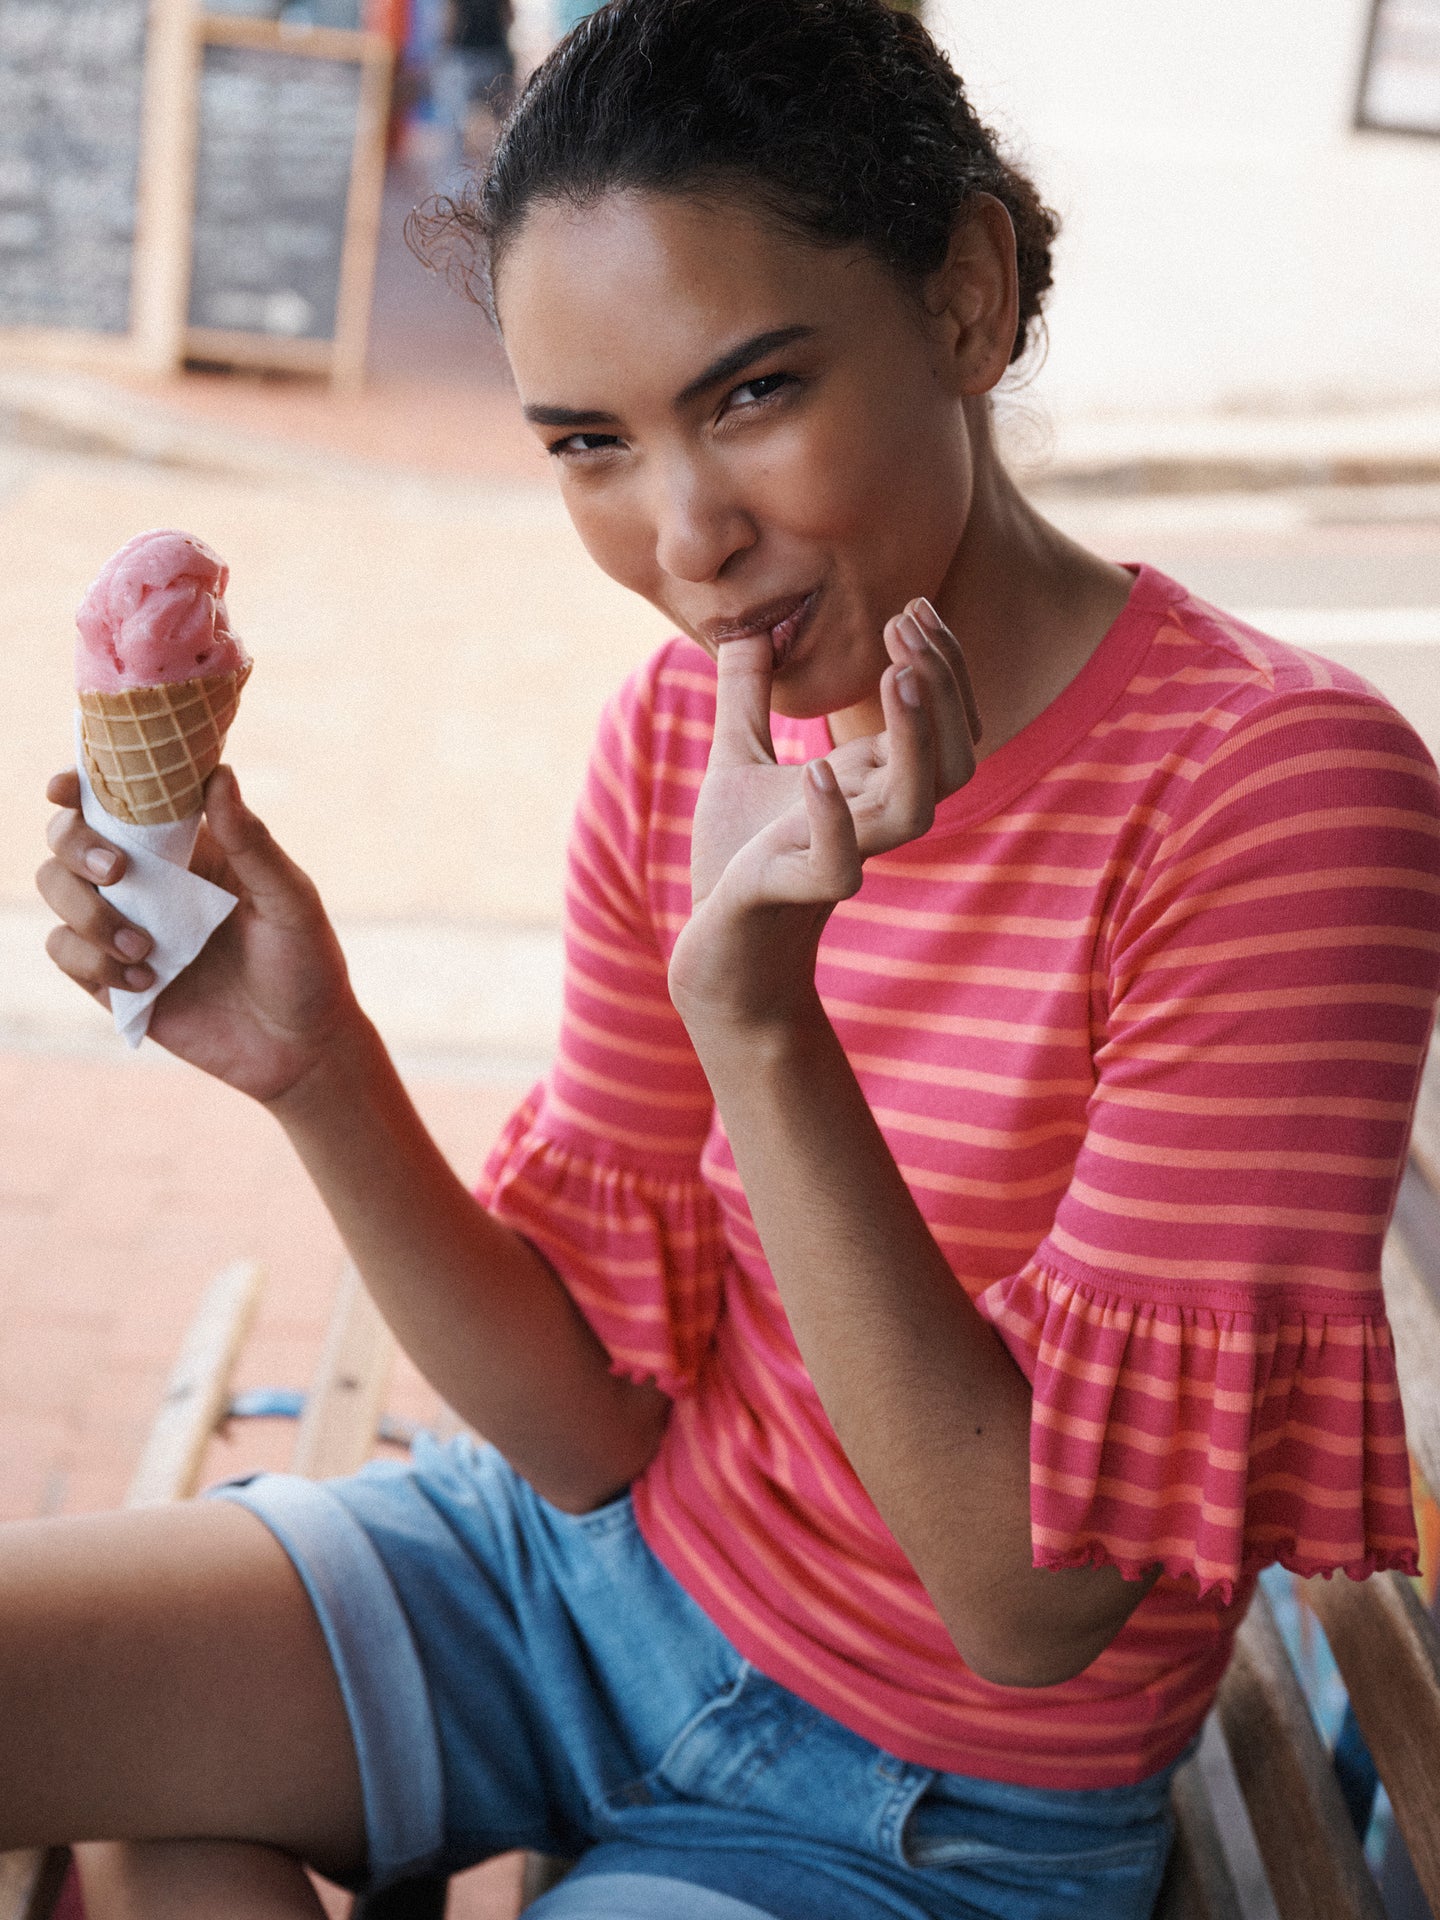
x=912 y=633
x=132 y=943
x=908 y=687
x=138 y=978
x=822 y=775
x=927 y=616
x=99 y=862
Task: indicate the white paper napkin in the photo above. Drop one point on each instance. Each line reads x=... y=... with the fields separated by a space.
x=158 y=892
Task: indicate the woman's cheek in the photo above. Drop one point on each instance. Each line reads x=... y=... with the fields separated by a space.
x=843 y=478
x=612 y=533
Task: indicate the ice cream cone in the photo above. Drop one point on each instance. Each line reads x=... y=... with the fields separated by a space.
x=150 y=750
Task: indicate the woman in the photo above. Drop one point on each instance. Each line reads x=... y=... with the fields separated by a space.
x=942 y=1266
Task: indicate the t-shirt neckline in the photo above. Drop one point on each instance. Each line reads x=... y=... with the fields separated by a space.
x=1068 y=718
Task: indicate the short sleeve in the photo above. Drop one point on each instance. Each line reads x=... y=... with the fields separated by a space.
x=600 y=1168
x=1214 y=1380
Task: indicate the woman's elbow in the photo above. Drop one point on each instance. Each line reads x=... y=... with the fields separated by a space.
x=1046 y=1646
x=1007 y=1663
x=1026 y=1659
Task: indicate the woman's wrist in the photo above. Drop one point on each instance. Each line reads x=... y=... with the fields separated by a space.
x=349 y=1071
x=761 y=1039
x=750 y=982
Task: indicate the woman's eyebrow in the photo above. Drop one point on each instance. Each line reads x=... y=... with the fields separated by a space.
x=569 y=417
x=739 y=358
x=736 y=360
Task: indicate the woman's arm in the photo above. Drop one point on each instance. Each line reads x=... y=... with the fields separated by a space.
x=484 y=1317
x=267 y=1008
x=932 y=1412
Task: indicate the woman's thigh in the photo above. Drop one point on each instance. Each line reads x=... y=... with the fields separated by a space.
x=163 y=1676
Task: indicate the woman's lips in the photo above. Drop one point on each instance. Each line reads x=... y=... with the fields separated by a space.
x=782 y=622
x=785 y=634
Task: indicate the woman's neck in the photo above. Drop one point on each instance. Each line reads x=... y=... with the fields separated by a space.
x=1028 y=604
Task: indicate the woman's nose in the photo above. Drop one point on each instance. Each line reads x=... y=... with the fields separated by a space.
x=699 y=526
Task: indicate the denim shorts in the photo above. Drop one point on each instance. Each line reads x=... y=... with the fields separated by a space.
x=520 y=1677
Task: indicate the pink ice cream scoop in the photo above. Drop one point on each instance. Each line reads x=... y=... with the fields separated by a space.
x=158 y=675
x=155 y=614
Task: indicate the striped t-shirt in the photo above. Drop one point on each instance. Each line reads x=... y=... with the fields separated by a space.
x=1141 y=1019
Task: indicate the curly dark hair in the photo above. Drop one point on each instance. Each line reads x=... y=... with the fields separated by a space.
x=841 y=119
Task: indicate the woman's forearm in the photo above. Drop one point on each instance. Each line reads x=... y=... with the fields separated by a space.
x=483 y=1316
x=931 y=1410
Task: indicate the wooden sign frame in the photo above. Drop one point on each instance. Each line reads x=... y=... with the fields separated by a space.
x=1364 y=119
x=159 y=339
x=343 y=355
x=159 y=267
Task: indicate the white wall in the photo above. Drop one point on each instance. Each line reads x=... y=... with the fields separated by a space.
x=1230 y=242
x=533 y=33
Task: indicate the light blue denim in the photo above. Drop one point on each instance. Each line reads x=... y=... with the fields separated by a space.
x=520 y=1677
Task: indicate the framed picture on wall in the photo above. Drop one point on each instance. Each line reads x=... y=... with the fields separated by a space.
x=1400 y=84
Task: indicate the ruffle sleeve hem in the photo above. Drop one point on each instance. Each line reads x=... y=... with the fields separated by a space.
x=1210 y=1439
x=641 y=1252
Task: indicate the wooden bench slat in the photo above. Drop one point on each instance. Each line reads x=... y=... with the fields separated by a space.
x=1198 y=1884
x=342 y=1410
x=1312 y=1858
x=1414 y=1317
x=198 y=1388
x=30 y=1882
x=1388 y=1652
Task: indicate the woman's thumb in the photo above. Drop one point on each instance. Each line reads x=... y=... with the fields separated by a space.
x=266 y=872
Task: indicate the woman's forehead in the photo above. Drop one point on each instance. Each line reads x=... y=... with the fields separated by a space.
x=665 y=275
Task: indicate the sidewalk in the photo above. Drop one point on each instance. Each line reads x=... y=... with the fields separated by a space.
x=124 y=1187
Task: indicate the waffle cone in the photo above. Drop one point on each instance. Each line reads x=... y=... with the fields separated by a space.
x=150 y=750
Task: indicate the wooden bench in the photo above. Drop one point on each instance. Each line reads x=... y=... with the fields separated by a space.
x=1263 y=1828
x=1385 y=1643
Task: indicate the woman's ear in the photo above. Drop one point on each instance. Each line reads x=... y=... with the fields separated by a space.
x=975 y=296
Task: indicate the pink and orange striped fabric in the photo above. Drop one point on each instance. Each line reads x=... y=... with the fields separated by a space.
x=1141 y=1019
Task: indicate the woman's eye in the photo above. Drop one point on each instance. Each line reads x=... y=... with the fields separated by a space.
x=582 y=443
x=759 y=389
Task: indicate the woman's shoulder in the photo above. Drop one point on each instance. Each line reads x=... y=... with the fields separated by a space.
x=1220 y=712
x=657 y=725
x=1245 y=676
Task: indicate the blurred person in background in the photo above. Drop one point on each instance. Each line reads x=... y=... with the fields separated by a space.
x=474 y=79
x=885 y=1426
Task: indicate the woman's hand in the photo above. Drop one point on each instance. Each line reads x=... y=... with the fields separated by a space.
x=774 y=848
x=268 y=994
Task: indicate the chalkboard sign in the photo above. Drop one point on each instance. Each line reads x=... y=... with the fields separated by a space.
x=177 y=182
x=272 y=183
x=71 y=91
x=289 y=172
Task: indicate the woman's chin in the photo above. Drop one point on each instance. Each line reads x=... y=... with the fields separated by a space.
x=797 y=695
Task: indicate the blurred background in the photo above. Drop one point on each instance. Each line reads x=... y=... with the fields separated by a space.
x=209 y=318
